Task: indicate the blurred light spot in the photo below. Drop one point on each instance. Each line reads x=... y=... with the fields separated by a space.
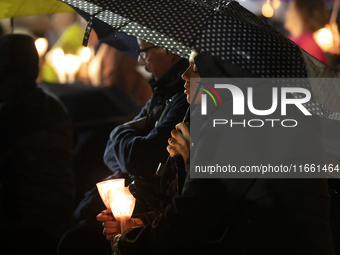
x=325 y=36
x=72 y=63
x=57 y=57
x=85 y=54
x=267 y=10
x=276 y=4
x=41 y=45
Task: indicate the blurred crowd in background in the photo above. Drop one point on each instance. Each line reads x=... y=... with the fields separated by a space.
x=59 y=43
x=64 y=60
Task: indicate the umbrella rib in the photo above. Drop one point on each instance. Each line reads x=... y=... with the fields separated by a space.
x=127 y=23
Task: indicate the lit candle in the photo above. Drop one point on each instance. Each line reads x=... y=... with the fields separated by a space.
x=324 y=39
x=41 y=44
x=122 y=205
x=55 y=58
x=72 y=64
x=85 y=54
x=267 y=10
x=105 y=188
x=328 y=37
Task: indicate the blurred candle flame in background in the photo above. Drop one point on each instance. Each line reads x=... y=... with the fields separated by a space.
x=71 y=66
x=67 y=66
x=267 y=10
x=328 y=37
x=269 y=7
x=85 y=54
x=324 y=39
x=41 y=44
x=276 y=4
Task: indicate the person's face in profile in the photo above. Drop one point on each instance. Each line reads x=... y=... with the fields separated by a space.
x=191 y=72
x=154 y=59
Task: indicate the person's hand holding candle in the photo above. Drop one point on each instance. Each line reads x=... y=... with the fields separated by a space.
x=112 y=226
x=119 y=203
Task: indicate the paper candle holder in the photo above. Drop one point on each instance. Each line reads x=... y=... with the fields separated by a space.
x=108 y=187
x=122 y=204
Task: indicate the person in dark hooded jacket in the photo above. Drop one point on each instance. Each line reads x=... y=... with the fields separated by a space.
x=36 y=162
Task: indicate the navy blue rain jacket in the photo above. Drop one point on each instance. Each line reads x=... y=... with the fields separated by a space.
x=130 y=152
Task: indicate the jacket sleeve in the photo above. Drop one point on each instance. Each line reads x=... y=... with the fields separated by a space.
x=138 y=154
x=109 y=156
x=144 y=111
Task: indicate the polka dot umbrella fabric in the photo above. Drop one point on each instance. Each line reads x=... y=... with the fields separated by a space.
x=226 y=30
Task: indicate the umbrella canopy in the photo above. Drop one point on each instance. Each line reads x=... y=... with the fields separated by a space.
x=102 y=29
x=142 y=27
x=227 y=31
x=223 y=28
x=15 y=8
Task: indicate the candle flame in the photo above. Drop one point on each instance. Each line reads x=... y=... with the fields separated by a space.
x=122 y=203
x=267 y=10
x=41 y=44
x=85 y=54
x=276 y=4
x=105 y=188
x=72 y=63
x=324 y=39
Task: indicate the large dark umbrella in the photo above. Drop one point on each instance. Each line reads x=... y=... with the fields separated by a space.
x=227 y=31
x=223 y=28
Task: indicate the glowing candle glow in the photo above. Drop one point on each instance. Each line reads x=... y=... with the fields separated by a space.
x=41 y=44
x=122 y=205
x=276 y=4
x=324 y=39
x=328 y=38
x=72 y=64
x=267 y=10
x=55 y=58
x=325 y=36
x=105 y=188
x=85 y=54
